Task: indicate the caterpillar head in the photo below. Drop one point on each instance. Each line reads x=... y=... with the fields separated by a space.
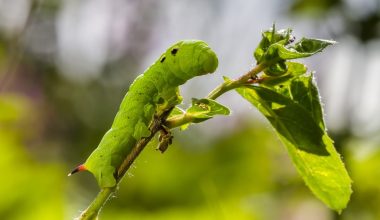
x=189 y=58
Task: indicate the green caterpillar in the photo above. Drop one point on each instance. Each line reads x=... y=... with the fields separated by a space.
x=152 y=93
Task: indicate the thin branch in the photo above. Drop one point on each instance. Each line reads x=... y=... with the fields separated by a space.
x=94 y=208
x=248 y=78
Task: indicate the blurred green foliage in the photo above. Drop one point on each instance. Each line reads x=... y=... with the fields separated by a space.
x=364 y=161
x=30 y=188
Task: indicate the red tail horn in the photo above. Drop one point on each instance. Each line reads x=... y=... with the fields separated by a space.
x=77 y=169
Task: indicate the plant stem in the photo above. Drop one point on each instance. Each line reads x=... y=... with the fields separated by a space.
x=229 y=85
x=178 y=121
x=94 y=208
x=248 y=78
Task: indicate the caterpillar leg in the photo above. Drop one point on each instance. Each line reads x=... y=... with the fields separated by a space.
x=165 y=139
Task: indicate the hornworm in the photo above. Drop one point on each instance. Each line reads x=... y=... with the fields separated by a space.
x=151 y=94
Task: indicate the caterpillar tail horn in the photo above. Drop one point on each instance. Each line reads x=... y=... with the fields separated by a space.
x=77 y=169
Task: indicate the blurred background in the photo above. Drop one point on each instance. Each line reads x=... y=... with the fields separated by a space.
x=65 y=66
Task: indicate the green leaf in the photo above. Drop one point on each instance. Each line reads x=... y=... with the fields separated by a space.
x=203 y=109
x=308 y=45
x=275 y=48
x=270 y=37
x=293 y=70
x=276 y=69
x=176 y=112
x=308 y=144
x=289 y=119
x=302 y=90
x=304 y=48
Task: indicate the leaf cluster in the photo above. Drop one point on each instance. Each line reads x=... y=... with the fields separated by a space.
x=278 y=46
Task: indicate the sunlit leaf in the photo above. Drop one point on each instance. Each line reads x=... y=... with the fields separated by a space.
x=304 y=48
x=305 y=92
x=270 y=37
x=176 y=111
x=277 y=69
x=276 y=47
x=293 y=70
x=309 y=146
x=308 y=45
x=200 y=110
x=289 y=119
x=302 y=90
x=203 y=109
